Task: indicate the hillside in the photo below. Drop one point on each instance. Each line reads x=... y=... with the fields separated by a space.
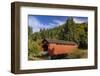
x=70 y=31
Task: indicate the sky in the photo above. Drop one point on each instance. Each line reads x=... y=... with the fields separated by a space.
x=38 y=22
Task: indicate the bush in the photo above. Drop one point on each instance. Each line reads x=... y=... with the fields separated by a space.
x=77 y=53
x=34 y=49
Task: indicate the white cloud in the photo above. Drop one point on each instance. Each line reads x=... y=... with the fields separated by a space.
x=77 y=20
x=59 y=22
x=36 y=25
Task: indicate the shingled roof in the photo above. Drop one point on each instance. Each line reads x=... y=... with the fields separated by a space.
x=59 y=41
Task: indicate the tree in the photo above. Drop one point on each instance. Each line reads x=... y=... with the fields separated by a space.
x=33 y=47
x=29 y=31
x=69 y=29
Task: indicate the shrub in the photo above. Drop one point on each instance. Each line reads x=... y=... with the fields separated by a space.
x=34 y=49
x=77 y=53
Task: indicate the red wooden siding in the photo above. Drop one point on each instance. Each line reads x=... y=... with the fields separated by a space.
x=56 y=49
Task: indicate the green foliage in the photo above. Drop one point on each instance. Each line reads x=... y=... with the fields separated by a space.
x=78 y=53
x=34 y=48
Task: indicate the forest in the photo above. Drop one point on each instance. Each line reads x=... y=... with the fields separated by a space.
x=69 y=31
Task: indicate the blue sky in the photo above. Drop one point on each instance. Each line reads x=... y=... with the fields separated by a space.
x=38 y=22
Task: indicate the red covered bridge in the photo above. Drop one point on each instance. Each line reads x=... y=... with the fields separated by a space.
x=58 y=47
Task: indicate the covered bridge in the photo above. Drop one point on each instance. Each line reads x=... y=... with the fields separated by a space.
x=58 y=47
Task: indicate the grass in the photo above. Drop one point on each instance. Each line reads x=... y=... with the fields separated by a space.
x=78 y=53
x=75 y=54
